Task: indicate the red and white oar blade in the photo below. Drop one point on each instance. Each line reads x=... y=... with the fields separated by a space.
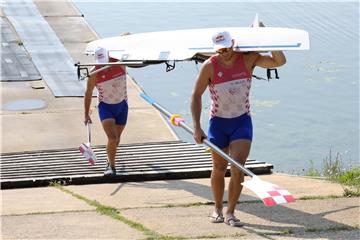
x=269 y=193
x=88 y=153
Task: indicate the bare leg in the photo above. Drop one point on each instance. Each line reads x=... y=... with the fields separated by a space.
x=119 y=130
x=113 y=139
x=239 y=150
x=217 y=179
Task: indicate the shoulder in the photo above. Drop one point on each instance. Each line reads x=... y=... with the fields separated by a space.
x=250 y=58
x=206 y=70
x=251 y=55
x=208 y=65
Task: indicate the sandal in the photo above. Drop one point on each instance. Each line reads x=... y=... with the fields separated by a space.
x=233 y=222
x=216 y=217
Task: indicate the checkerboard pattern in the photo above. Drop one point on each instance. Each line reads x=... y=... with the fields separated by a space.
x=88 y=153
x=269 y=193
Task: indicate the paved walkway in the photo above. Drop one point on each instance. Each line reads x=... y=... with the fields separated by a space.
x=176 y=209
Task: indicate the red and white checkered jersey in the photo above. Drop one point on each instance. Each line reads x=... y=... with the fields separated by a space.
x=111 y=85
x=230 y=88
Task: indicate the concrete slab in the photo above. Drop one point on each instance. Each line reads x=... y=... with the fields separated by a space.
x=48 y=54
x=74 y=225
x=325 y=213
x=161 y=207
x=147 y=194
x=40 y=130
x=16 y=64
x=175 y=192
x=301 y=186
x=191 y=222
x=299 y=218
x=66 y=116
x=65 y=18
x=76 y=50
x=39 y=200
x=324 y=235
x=145 y=125
x=72 y=28
x=56 y=8
x=23 y=90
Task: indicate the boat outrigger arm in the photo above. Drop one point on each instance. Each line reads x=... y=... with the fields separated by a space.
x=134 y=64
x=137 y=64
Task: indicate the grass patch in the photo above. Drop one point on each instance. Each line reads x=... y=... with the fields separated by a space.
x=332 y=167
x=210 y=236
x=277 y=233
x=350 y=180
x=215 y=236
x=319 y=197
x=350 y=177
x=115 y=214
x=334 y=171
x=286 y=232
x=195 y=204
x=332 y=229
x=313 y=172
x=351 y=192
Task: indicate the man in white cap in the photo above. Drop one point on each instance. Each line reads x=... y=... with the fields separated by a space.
x=228 y=75
x=112 y=103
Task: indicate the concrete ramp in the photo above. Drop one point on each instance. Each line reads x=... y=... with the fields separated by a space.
x=16 y=64
x=46 y=50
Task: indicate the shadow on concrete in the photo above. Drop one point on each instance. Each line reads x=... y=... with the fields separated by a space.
x=275 y=220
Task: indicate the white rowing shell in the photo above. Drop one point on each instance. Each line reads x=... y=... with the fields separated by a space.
x=185 y=44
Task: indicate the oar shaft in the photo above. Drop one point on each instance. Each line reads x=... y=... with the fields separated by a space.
x=205 y=141
x=88 y=132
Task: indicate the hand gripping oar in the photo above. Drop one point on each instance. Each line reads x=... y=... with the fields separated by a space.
x=85 y=148
x=269 y=193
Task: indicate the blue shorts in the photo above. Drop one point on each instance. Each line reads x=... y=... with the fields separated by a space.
x=118 y=111
x=222 y=131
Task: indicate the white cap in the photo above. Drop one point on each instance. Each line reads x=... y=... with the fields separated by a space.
x=101 y=55
x=222 y=39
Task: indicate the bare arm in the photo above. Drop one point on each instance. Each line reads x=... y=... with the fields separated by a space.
x=88 y=97
x=196 y=101
x=276 y=59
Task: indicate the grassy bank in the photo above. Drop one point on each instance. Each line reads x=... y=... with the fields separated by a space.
x=350 y=179
x=334 y=171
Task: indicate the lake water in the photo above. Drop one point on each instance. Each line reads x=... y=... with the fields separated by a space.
x=314 y=106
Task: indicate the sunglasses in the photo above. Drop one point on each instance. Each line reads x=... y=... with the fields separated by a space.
x=223 y=50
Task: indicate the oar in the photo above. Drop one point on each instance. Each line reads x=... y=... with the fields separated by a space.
x=85 y=148
x=269 y=193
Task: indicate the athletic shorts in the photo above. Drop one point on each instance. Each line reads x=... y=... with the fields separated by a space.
x=118 y=111
x=222 y=131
